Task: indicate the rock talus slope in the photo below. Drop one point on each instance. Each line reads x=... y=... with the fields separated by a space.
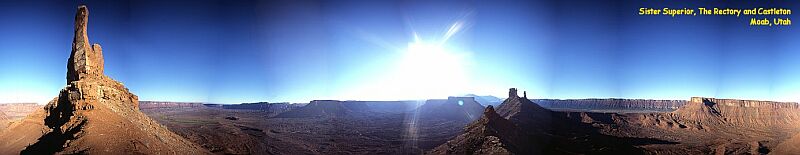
x=22 y=133
x=790 y=146
x=94 y=114
x=4 y=120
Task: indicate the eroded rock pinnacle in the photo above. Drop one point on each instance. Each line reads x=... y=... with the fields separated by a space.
x=85 y=61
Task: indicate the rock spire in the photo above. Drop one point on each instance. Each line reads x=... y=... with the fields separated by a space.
x=93 y=114
x=85 y=61
x=512 y=93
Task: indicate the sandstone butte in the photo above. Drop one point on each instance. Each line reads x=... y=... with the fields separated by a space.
x=93 y=114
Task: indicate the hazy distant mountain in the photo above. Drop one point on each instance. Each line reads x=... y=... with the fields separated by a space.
x=453 y=108
x=486 y=100
x=16 y=111
x=327 y=108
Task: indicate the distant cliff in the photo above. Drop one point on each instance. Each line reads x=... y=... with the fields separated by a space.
x=327 y=108
x=453 y=108
x=165 y=104
x=390 y=106
x=726 y=126
x=15 y=111
x=701 y=112
x=611 y=105
x=272 y=108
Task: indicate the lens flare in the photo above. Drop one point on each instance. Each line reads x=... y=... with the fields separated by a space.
x=425 y=68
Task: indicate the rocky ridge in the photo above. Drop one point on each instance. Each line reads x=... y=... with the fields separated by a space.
x=523 y=111
x=708 y=114
x=745 y=113
x=709 y=126
x=491 y=134
x=541 y=131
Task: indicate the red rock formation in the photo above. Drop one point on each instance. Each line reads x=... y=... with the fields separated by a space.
x=85 y=61
x=709 y=125
x=541 y=131
x=524 y=112
x=512 y=93
x=491 y=134
x=701 y=113
x=94 y=114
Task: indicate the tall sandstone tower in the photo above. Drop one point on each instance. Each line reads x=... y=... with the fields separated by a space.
x=93 y=114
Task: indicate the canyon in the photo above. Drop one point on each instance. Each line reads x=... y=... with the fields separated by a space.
x=450 y=126
x=518 y=126
x=95 y=114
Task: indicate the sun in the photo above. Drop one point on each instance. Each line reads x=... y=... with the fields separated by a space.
x=430 y=71
x=421 y=71
x=424 y=69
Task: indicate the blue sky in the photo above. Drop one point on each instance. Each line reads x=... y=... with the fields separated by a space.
x=248 y=51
